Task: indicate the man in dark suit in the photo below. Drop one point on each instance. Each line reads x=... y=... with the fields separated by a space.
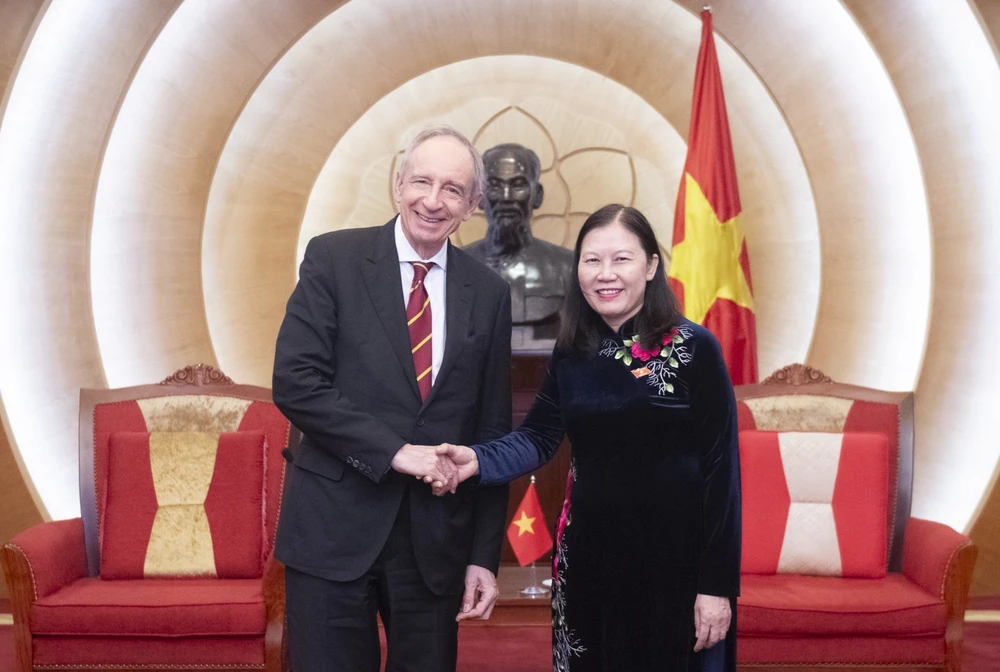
x=393 y=341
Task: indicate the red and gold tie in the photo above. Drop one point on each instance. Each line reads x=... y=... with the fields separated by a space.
x=418 y=319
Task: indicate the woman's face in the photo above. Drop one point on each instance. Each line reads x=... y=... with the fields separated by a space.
x=613 y=272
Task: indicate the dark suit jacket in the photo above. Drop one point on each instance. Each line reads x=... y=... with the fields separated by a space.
x=344 y=375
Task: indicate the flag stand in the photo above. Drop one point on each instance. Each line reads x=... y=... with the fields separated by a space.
x=534 y=590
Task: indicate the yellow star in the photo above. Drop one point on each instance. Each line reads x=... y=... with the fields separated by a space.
x=524 y=525
x=707 y=261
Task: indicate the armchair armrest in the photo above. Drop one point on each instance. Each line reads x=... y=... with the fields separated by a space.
x=275 y=640
x=930 y=552
x=38 y=562
x=49 y=556
x=940 y=560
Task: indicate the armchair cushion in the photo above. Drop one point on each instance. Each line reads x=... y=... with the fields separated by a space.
x=184 y=504
x=814 y=503
x=796 y=606
x=151 y=607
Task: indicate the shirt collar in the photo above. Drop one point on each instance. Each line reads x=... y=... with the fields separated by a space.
x=407 y=254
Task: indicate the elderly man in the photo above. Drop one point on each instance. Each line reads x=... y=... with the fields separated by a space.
x=393 y=340
x=538 y=271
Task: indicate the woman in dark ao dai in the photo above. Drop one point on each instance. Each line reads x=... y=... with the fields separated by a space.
x=648 y=545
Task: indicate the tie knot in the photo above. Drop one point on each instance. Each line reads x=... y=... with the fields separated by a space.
x=420 y=269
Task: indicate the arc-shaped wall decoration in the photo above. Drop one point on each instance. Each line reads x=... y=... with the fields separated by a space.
x=163 y=163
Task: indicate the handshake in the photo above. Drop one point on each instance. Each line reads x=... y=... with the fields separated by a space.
x=443 y=467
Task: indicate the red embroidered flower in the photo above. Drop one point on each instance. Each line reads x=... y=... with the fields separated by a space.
x=643 y=355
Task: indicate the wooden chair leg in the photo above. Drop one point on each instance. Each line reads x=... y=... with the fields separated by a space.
x=22 y=595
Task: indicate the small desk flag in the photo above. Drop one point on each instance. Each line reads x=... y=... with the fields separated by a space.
x=528 y=534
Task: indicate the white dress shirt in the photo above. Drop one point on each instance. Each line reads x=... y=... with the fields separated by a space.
x=435 y=285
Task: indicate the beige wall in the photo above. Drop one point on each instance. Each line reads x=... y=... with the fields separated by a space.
x=163 y=163
x=18 y=510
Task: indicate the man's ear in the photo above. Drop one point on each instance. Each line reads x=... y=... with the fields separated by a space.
x=536 y=200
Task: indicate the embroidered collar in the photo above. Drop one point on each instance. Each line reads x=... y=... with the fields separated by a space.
x=659 y=365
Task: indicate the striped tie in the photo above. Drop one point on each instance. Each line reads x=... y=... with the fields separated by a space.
x=418 y=319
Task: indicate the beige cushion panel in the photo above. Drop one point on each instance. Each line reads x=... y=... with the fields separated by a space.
x=799 y=413
x=193 y=413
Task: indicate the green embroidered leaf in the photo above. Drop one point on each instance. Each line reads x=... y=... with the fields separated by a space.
x=619 y=354
x=664 y=352
x=678 y=338
x=670 y=388
x=673 y=363
x=628 y=342
x=628 y=360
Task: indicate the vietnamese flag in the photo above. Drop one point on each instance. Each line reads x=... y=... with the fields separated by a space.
x=528 y=534
x=710 y=268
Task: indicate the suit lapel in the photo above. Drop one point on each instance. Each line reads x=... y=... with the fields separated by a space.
x=458 y=309
x=384 y=283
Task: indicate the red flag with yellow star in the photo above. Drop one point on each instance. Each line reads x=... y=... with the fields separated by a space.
x=710 y=268
x=528 y=534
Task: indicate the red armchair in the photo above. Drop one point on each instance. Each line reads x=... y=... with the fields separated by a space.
x=836 y=574
x=170 y=566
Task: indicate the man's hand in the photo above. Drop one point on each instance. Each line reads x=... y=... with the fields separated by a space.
x=464 y=459
x=711 y=620
x=480 y=593
x=425 y=463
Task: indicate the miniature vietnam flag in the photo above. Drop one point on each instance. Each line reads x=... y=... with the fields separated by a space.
x=528 y=534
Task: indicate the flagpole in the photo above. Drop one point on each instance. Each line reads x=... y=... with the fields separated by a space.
x=534 y=589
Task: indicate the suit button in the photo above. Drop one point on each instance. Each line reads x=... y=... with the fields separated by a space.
x=420 y=422
x=368 y=470
x=355 y=463
x=349 y=461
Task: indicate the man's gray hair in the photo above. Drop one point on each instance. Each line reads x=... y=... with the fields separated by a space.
x=478 y=171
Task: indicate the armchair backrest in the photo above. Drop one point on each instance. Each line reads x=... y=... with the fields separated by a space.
x=802 y=399
x=194 y=399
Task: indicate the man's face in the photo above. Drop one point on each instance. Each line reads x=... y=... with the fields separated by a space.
x=434 y=193
x=512 y=192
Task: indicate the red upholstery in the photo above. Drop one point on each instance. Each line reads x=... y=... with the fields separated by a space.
x=842 y=501
x=928 y=551
x=233 y=506
x=55 y=553
x=835 y=571
x=831 y=606
x=182 y=474
x=127 y=416
x=158 y=607
x=857 y=652
x=101 y=652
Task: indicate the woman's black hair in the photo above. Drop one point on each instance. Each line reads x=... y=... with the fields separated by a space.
x=582 y=327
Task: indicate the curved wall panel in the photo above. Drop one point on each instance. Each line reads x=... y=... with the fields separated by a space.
x=328 y=80
x=59 y=112
x=145 y=270
x=953 y=102
x=154 y=203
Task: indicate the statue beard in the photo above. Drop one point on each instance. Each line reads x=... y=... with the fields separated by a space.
x=510 y=235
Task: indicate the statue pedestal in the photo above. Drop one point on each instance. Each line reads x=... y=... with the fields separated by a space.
x=527 y=372
x=523 y=341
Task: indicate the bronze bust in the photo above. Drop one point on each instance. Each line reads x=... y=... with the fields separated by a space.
x=538 y=271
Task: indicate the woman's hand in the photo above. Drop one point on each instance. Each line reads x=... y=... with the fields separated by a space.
x=711 y=620
x=464 y=460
